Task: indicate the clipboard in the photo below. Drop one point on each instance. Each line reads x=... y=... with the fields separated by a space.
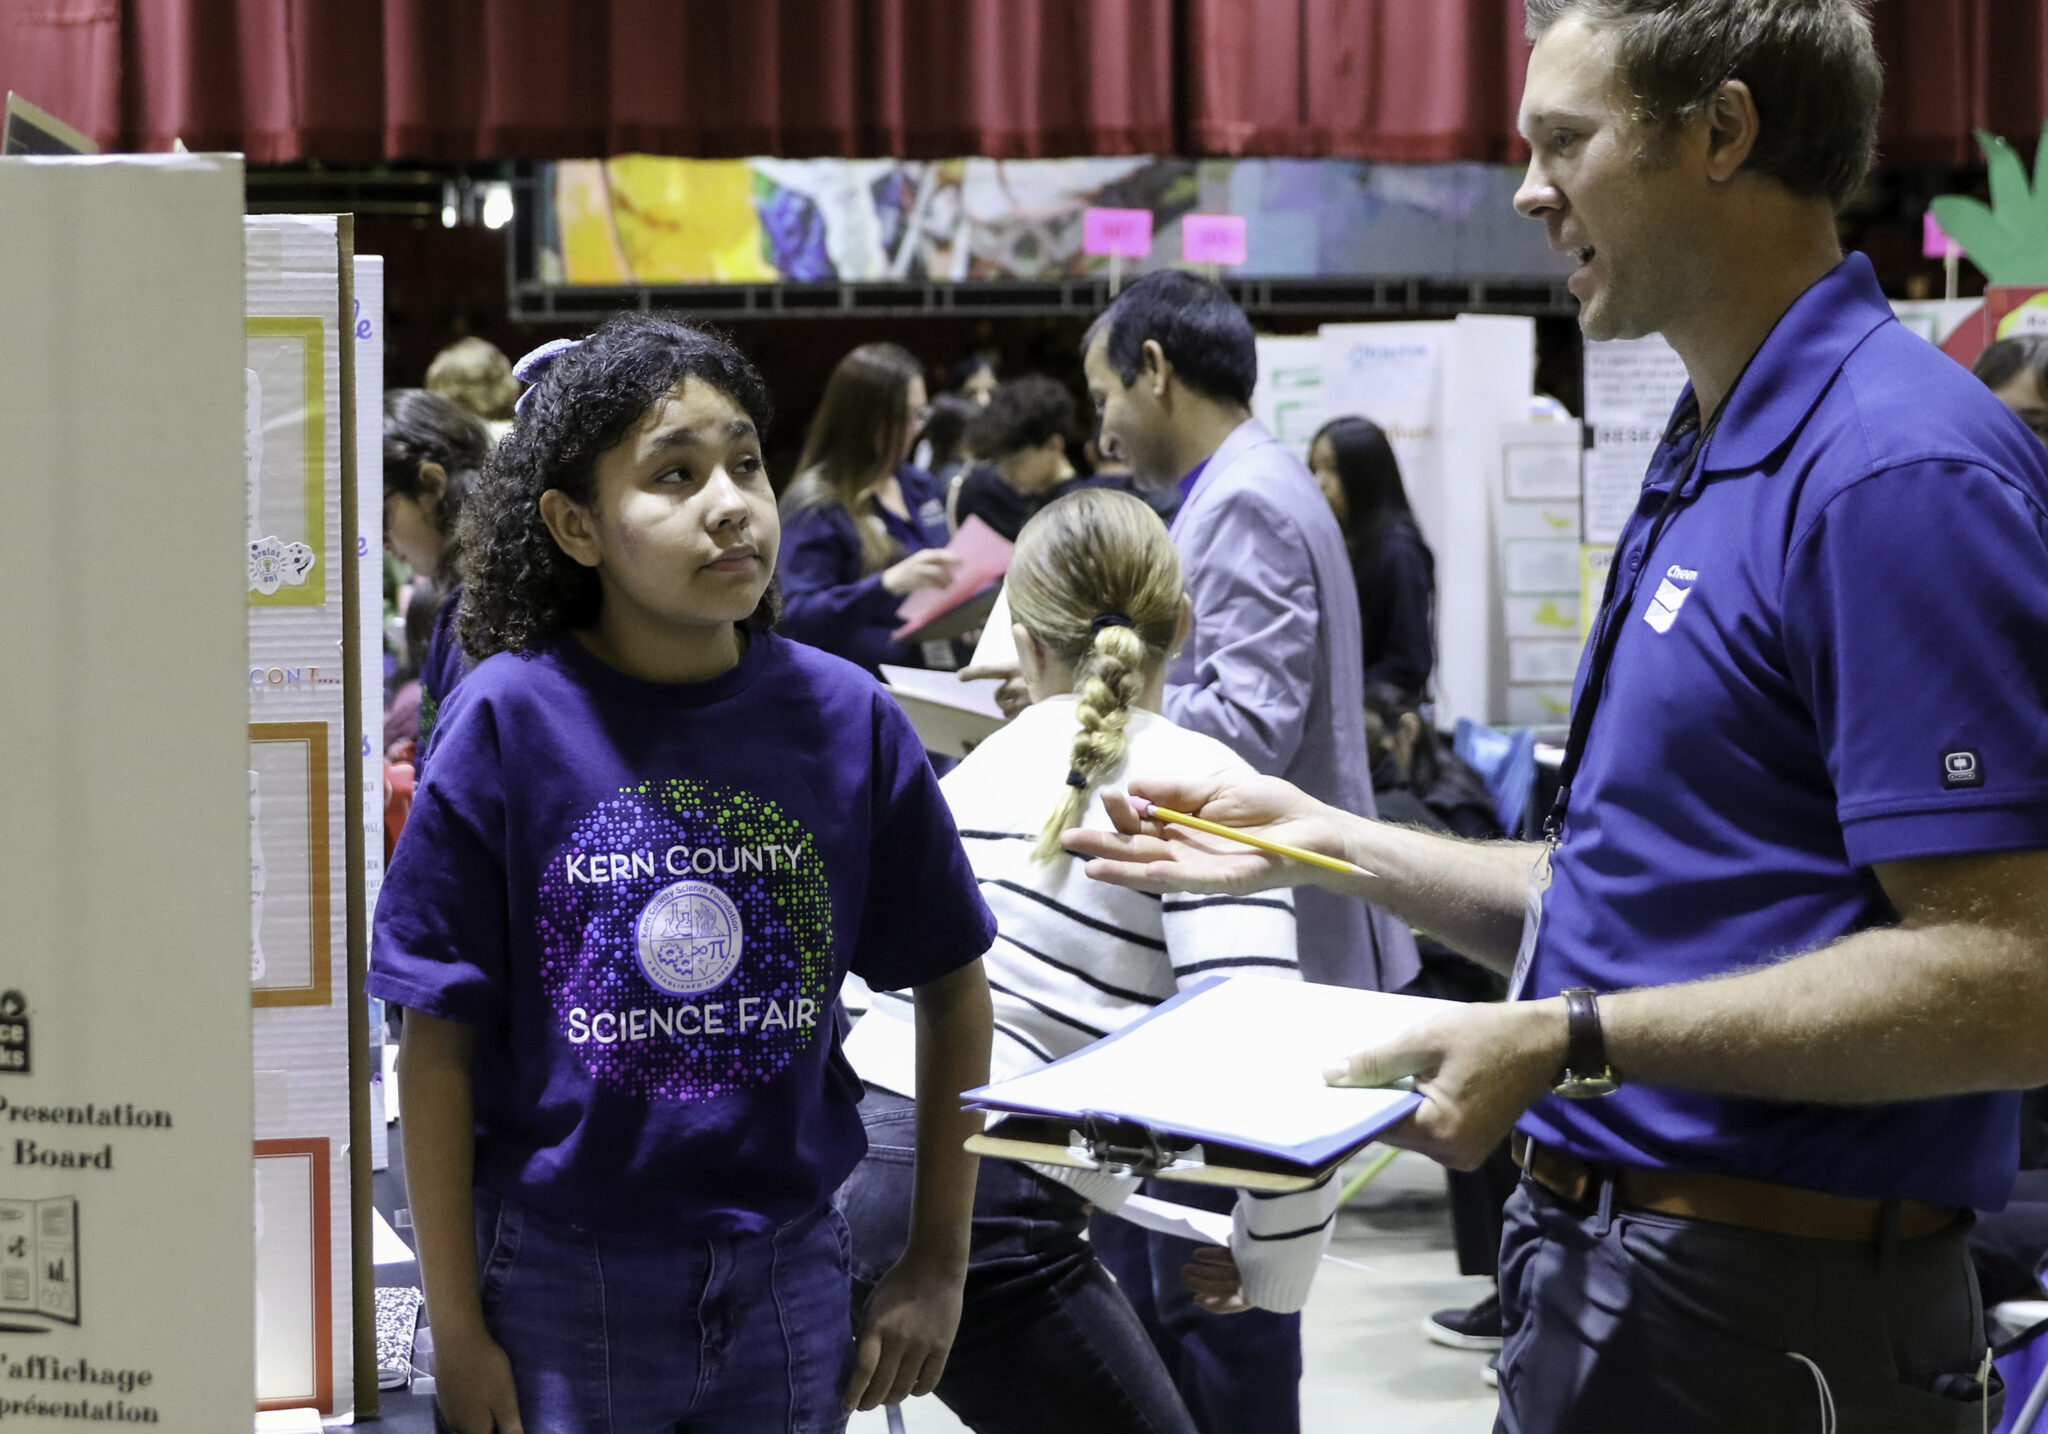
x=1220 y=1085
x=950 y=716
x=1127 y=1147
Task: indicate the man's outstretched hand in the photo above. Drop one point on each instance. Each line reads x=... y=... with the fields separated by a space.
x=1476 y=1067
x=1151 y=855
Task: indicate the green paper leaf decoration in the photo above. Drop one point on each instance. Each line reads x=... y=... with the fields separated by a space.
x=2008 y=238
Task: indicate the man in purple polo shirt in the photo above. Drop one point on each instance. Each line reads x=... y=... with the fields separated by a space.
x=1785 y=955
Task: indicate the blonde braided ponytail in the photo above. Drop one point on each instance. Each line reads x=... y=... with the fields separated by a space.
x=1095 y=578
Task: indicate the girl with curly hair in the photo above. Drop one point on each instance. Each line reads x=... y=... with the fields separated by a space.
x=1047 y=1339
x=654 y=838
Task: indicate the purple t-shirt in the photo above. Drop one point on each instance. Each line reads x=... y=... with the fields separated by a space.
x=442 y=668
x=644 y=896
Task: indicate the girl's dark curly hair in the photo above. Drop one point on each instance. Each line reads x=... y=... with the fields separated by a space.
x=522 y=588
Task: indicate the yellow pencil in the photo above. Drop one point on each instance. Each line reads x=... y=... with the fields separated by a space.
x=1146 y=809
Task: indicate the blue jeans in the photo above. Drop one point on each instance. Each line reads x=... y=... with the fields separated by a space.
x=1046 y=1342
x=1239 y=1373
x=1619 y=1321
x=652 y=1335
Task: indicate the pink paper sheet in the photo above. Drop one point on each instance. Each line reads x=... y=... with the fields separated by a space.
x=984 y=557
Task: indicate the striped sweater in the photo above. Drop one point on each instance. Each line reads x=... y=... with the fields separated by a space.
x=1075 y=959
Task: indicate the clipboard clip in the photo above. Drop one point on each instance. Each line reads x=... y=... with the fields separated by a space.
x=1117 y=1146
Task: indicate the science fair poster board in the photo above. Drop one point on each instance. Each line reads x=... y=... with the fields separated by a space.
x=1632 y=386
x=125 y=1196
x=1289 y=397
x=366 y=326
x=1536 y=524
x=306 y=857
x=1441 y=389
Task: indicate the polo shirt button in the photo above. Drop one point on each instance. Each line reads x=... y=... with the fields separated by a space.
x=1635 y=560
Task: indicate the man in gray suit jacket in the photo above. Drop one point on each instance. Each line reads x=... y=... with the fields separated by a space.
x=1275 y=668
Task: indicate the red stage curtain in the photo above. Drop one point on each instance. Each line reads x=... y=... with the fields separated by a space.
x=1368 y=79
x=353 y=81
x=1955 y=66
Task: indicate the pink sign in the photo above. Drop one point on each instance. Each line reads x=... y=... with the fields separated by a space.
x=1212 y=239
x=1126 y=233
x=1934 y=244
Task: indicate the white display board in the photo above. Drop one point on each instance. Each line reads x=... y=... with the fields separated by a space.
x=1441 y=389
x=367 y=329
x=1289 y=396
x=1632 y=386
x=1536 y=526
x=298 y=726
x=125 y=1197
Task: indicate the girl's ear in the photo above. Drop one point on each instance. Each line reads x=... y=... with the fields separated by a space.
x=570 y=526
x=433 y=483
x=1030 y=654
x=1186 y=626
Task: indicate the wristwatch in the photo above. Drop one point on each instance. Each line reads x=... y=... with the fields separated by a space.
x=1586 y=1072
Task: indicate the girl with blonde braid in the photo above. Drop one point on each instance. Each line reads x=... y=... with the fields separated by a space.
x=1047 y=1340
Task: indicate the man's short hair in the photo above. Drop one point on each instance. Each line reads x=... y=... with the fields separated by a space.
x=1200 y=329
x=1023 y=413
x=1811 y=66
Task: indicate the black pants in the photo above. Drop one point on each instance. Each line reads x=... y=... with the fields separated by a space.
x=1047 y=1341
x=2010 y=1247
x=1620 y=1322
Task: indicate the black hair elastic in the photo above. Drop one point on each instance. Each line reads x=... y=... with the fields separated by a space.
x=1108 y=619
x=1076 y=780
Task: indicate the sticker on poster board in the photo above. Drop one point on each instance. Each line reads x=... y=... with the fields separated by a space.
x=274 y=563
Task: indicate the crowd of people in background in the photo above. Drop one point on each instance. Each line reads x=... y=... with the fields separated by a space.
x=1162 y=485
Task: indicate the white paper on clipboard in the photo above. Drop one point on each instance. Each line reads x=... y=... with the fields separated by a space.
x=1164 y=1217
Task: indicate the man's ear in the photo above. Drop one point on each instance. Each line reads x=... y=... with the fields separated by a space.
x=571 y=526
x=1155 y=369
x=1732 y=129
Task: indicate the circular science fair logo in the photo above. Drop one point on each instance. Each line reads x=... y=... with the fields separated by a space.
x=689 y=938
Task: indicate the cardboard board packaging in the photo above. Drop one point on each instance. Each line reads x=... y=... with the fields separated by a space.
x=124 y=811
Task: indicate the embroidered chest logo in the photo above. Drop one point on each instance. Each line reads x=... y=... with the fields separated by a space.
x=1670 y=597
